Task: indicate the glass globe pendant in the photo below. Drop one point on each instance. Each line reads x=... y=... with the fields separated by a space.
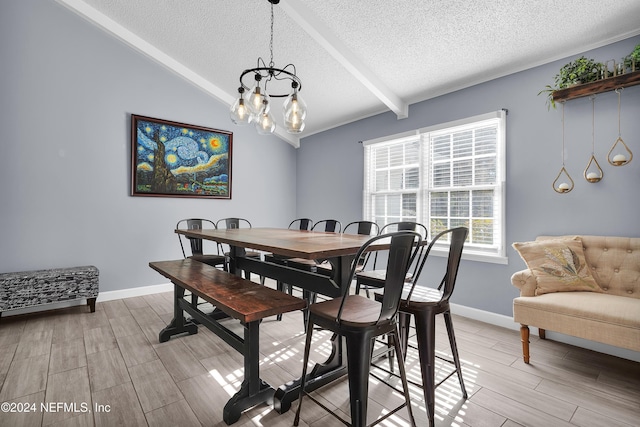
x=240 y=113
x=295 y=111
x=256 y=97
x=264 y=120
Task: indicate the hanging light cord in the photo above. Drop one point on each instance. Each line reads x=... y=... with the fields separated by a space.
x=562 y=133
x=619 y=92
x=593 y=124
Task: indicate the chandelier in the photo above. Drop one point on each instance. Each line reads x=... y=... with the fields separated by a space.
x=254 y=104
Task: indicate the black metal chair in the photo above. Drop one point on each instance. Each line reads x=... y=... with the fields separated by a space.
x=196 y=245
x=360 y=320
x=237 y=223
x=375 y=278
x=424 y=304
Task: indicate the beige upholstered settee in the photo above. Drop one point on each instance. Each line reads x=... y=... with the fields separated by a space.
x=610 y=314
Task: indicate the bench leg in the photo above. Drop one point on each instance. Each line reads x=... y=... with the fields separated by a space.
x=524 y=335
x=542 y=334
x=91 y=302
x=178 y=325
x=253 y=391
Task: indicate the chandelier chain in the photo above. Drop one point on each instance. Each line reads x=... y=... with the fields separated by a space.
x=271 y=64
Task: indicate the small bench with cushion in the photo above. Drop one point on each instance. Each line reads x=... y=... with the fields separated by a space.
x=39 y=287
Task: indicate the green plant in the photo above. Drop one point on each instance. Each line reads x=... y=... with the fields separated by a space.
x=636 y=53
x=634 y=56
x=580 y=70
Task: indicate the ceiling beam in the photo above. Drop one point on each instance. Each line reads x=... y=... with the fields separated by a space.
x=133 y=40
x=323 y=36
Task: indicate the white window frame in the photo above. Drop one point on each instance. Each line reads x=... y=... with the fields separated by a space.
x=495 y=253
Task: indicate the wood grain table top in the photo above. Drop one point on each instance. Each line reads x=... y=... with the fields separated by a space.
x=291 y=243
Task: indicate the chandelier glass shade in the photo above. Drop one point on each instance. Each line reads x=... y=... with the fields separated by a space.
x=253 y=104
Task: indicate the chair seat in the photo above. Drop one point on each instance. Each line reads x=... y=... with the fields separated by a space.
x=358 y=311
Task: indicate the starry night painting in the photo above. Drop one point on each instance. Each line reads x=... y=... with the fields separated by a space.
x=178 y=160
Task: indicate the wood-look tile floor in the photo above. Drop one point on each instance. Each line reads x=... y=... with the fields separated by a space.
x=70 y=367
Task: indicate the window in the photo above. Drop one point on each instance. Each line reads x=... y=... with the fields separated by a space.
x=444 y=176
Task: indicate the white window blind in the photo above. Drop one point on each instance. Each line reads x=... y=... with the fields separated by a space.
x=444 y=176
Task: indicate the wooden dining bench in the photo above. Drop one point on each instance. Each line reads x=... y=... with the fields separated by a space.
x=235 y=297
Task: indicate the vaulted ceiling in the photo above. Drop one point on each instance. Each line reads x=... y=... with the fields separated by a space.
x=357 y=58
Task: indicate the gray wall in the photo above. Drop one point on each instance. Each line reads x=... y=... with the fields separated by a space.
x=330 y=167
x=67 y=90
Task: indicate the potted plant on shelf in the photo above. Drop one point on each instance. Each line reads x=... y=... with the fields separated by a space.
x=632 y=61
x=578 y=71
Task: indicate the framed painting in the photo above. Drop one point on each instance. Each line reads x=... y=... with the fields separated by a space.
x=171 y=159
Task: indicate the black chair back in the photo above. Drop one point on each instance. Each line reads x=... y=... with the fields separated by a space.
x=301 y=224
x=233 y=223
x=457 y=237
x=193 y=224
x=410 y=226
x=329 y=225
x=367 y=228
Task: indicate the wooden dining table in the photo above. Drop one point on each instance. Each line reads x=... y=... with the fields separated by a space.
x=338 y=249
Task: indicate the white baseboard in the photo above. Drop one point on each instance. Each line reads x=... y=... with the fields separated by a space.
x=507 y=322
x=135 y=292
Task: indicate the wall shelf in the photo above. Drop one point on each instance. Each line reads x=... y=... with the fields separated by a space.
x=599 y=86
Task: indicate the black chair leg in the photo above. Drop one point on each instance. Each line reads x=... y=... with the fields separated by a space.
x=426 y=336
x=400 y=354
x=359 y=348
x=280 y=286
x=311 y=299
x=454 y=350
x=404 y=322
x=307 y=350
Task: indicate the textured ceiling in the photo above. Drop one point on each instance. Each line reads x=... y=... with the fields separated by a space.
x=357 y=58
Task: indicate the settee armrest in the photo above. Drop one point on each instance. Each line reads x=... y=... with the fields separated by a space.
x=525 y=281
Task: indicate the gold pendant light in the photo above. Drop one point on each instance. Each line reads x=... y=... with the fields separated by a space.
x=593 y=172
x=560 y=184
x=619 y=154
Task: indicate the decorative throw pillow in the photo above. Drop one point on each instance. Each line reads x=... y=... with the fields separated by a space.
x=558 y=265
